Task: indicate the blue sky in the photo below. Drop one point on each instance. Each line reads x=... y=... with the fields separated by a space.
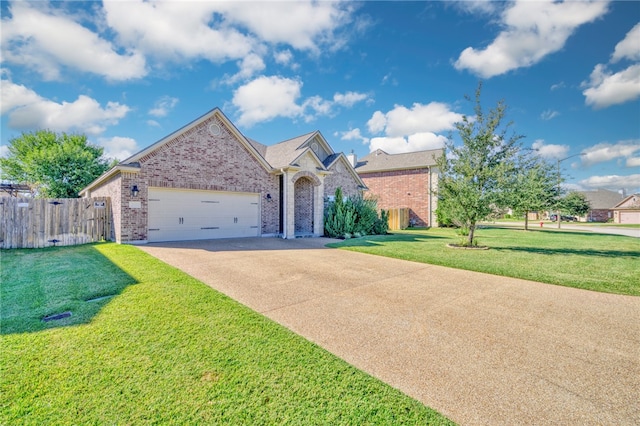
x=388 y=75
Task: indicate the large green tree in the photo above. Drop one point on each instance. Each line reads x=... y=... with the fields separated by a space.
x=473 y=173
x=54 y=165
x=575 y=203
x=533 y=186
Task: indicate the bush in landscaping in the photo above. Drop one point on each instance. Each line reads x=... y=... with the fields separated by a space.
x=353 y=216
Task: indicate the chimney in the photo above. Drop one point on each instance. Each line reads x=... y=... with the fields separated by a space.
x=353 y=159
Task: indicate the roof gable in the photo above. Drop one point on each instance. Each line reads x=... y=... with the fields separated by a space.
x=379 y=160
x=217 y=113
x=631 y=202
x=285 y=153
x=334 y=159
x=307 y=153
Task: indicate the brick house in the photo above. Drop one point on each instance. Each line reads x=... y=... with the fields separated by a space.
x=628 y=210
x=601 y=203
x=406 y=180
x=207 y=180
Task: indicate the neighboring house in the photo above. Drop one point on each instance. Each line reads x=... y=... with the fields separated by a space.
x=15 y=190
x=405 y=180
x=627 y=210
x=207 y=180
x=601 y=202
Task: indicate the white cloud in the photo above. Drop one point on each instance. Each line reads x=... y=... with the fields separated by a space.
x=629 y=48
x=348 y=99
x=605 y=88
x=266 y=98
x=388 y=79
x=486 y=7
x=318 y=105
x=402 y=121
x=557 y=86
x=549 y=114
x=118 y=147
x=352 y=135
x=16 y=95
x=304 y=25
x=534 y=29
x=613 y=182
x=169 y=30
x=153 y=123
x=163 y=106
x=633 y=162
x=283 y=57
x=415 y=142
x=249 y=66
x=603 y=152
x=222 y=31
x=377 y=122
x=411 y=129
x=550 y=151
x=28 y=110
x=48 y=40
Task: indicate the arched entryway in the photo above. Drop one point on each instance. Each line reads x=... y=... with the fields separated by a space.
x=303 y=206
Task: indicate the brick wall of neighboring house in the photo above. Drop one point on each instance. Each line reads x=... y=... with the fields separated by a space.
x=341 y=177
x=400 y=189
x=599 y=215
x=197 y=160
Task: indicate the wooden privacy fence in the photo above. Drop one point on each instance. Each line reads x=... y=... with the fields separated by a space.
x=40 y=222
x=399 y=218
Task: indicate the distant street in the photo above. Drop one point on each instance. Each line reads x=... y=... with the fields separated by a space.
x=613 y=230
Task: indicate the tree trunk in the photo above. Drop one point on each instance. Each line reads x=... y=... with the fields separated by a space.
x=472 y=229
x=526 y=220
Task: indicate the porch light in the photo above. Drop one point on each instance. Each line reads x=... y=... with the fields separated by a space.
x=268 y=197
x=134 y=190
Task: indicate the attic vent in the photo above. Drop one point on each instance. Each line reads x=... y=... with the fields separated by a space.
x=214 y=129
x=314 y=147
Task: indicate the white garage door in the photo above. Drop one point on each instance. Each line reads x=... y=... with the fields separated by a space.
x=178 y=214
x=629 y=217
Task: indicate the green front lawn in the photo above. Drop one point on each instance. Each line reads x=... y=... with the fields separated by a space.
x=606 y=263
x=163 y=348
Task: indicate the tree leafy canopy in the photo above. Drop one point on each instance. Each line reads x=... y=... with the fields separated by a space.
x=575 y=203
x=533 y=187
x=54 y=165
x=474 y=174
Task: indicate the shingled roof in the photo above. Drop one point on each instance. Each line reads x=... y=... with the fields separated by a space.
x=283 y=153
x=379 y=161
x=602 y=199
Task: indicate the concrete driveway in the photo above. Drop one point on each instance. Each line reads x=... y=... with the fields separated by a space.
x=480 y=349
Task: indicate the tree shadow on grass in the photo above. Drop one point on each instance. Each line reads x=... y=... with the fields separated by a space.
x=568 y=251
x=40 y=287
x=378 y=240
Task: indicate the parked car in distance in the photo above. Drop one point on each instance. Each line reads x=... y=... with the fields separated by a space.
x=554 y=218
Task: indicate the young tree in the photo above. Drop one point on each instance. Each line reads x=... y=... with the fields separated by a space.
x=533 y=187
x=472 y=174
x=575 y=203
x=54 y=165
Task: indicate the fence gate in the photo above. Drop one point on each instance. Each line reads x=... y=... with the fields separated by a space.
x=40 y=222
